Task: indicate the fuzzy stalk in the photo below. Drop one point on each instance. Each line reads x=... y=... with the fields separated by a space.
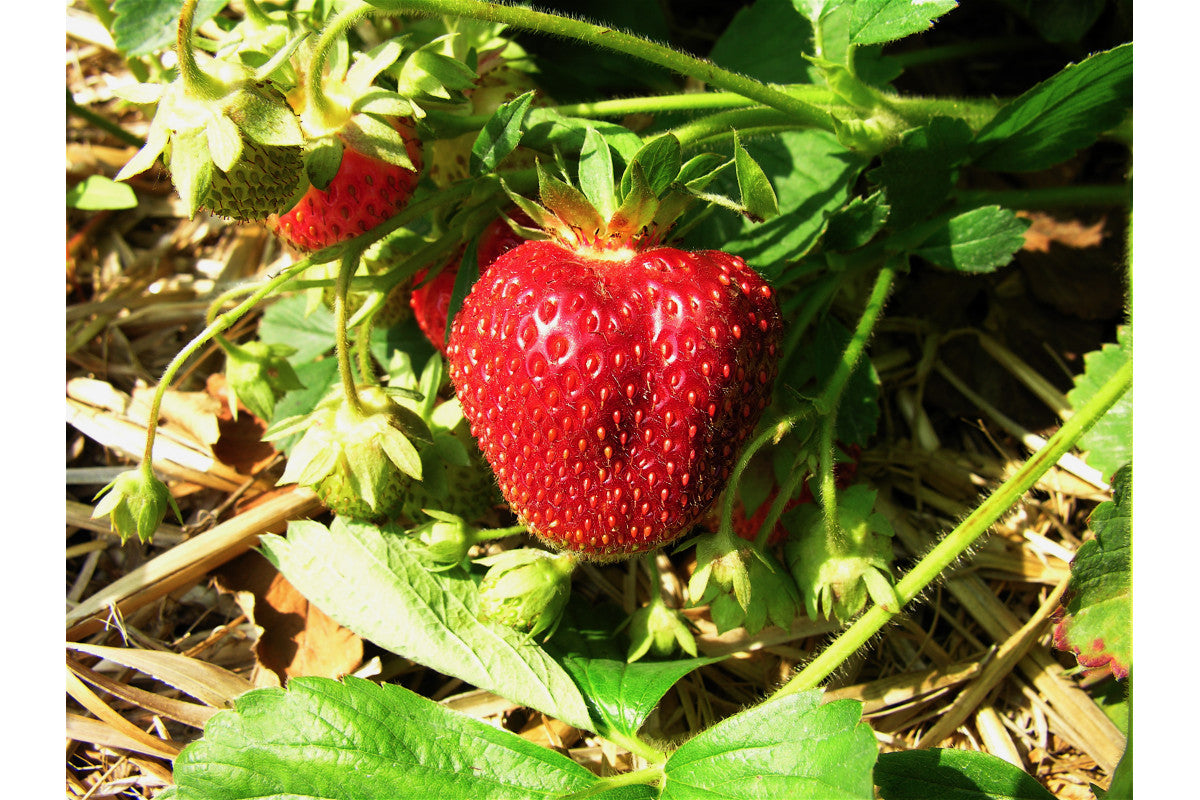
x=827 y=403
x=319 y=103
x=223 y=323
x=958 y=541
x=197 y=82
x=350 y=258
x=621 y=42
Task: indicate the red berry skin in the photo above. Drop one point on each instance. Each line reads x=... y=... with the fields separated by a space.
x=611 y=397
x=364 y=192
x=431 y=301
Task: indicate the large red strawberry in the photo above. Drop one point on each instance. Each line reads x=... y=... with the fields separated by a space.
x=364 y=192
x=431 y=301
x=612 y=390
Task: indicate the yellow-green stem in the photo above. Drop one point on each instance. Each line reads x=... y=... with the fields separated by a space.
x=346 y=270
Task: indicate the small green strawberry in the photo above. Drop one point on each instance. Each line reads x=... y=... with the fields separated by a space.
x=136 y=502
x=526 y=589
x=837 y=574
x=360 y=461
x=743 y=585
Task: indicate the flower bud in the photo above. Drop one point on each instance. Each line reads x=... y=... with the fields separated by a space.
x=526 y=589
x=135 y=502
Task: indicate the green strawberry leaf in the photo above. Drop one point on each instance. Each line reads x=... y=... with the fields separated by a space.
x=948 y=774
x=795 y=747
x=881 y=21
x=1109 y=443
x=918 y=173
x=500 y=135
x=143 y=27
x=1060 y=22
x=620 y=695
x=856 y=223
x=1098 y=623
x=353 y=740
x=96 y=193
x=1048 y=123
x=977 y=241
x=546 y=129
x=399 y=602
x=764 y=40
x=811 y=173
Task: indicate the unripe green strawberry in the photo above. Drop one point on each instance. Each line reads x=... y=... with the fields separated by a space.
x=260 y=183
x=526 y=589
x=469 y=489
x=361 y=463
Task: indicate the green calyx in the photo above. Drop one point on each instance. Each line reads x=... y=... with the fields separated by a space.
x=258 y=375
x=659 y=631
x=526 y=589
x=362 y=464
x=610 y=219
x=743 y=585
x=136 y=502
x=231 y=141
x=836 y=577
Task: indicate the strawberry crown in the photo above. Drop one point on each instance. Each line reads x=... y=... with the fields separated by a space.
x=608 y=218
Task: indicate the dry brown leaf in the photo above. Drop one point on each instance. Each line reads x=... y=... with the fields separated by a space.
x=1044 y=230
x=239 y=443
x=206 y=682
x=297 y=637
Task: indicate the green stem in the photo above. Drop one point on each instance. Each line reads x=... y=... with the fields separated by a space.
x=773 y=432
x=827 y=403
x=196 y=81
x=637 y=746
x=488 y=534
x=786 y=493
x=362 y=348
x=102 y=122
x=958 y=541
x=222 y=324
x=723 y=123
x=346 y=270
x=649 y=775
x=621 y=42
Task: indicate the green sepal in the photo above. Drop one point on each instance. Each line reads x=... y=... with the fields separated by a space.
x=191 y=168
x=640 y=204
x=401 y=452
x=156 y=142
x=659 y=631
x=596 y=173
x=500 y=135
x=361 y=76
x=224 y=142
x=366 y=471
x=265 y=119
x=140 y=93
x=568 y=203
x=372 y=136
x=700 y=170
x=259 y=374
x=383 y=103
x=661 y=158
x=526 y=589
x=323 y=160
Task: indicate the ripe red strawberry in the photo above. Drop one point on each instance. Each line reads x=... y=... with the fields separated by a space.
x=611 y=387
x=365 y=192
x=431 y=301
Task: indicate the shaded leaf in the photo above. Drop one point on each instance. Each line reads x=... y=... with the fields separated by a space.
x=1048 y=123
x=356 y=740
x=918 y=173
x=976 y=241
x=953 y=775
x=143 y=26
x=500 y=135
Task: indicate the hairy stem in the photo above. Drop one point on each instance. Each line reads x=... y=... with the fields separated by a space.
x=362 y=348
x=621 y=42
x=346 y=270
x=222 y=324
x=649 y=775
x=319 y=105
x=197 y=82
x=949 y=549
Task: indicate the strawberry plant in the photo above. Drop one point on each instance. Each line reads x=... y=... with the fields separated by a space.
x=676 y=329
